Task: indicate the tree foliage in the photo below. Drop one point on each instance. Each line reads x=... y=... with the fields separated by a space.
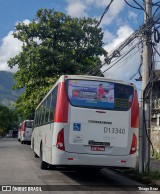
x=8 y=118
x=53 y=44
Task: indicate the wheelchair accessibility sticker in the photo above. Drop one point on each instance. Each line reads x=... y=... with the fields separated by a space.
x=76 y=126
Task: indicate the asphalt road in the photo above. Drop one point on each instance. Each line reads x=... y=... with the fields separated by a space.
x=18 y=166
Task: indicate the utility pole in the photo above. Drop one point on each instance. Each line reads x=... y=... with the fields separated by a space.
x=144 y=163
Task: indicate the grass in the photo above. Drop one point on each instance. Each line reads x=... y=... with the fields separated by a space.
x=156 y=155
x=150 y=177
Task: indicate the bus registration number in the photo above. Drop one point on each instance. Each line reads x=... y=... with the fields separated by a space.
x=114 y=130
x=97 y=148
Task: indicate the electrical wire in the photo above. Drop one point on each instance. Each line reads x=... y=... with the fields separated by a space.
x=156 y=50
x=121 y=57
x=143 y=30
x=141 y=8
x=132 y=5
x=156 y=10
x=123 y=63
x=105 y=11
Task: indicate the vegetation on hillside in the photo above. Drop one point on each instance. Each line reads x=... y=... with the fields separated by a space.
x=8 y=118
x=8 y=96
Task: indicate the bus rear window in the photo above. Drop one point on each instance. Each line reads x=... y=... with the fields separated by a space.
x=100 y=94
x=29 y=124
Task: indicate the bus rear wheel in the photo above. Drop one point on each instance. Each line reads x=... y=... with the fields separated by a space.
x=35 y=155
x=44 y=165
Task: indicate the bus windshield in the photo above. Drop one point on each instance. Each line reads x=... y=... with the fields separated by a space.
x=100 y=94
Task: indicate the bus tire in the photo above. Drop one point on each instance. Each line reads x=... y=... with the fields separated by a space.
x=44 y=165
x=35 y=155
x=52 y=167
x=22 y=142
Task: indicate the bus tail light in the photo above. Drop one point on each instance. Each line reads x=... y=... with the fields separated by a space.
x=62 y=104
x=133 y=145
x=60 y=140
x=135 y=111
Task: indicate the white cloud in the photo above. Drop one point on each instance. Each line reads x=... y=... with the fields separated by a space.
x=9 y=48
x=97 y=3
x=115 y=8
x=133 y=16
x=26 y=21
x=76 y=8
x=123 y=33
x=80 y=8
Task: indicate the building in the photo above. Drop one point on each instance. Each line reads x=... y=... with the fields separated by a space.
x=155 y=114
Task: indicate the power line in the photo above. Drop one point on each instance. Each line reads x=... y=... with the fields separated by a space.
x=142 y=31
x=124 y=63
x=105 y=11
x=132 y=5
x=123 y=55
x=141 y=8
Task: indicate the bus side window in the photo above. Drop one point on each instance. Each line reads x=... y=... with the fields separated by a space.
x=38 y=117
x=35 y=118
x=44 y=111
x=40 y=114
x=53 y=103
x=47 y=110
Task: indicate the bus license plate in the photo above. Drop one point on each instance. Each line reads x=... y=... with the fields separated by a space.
x=97 y=148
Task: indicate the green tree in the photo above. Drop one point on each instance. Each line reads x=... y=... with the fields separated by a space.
x=8 y=118
x=53 y=44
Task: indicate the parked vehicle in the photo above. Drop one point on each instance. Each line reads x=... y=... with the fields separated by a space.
x=19 y=132
x=25 y=131
x=9 y=134
x=87 y=121
x=15 y=133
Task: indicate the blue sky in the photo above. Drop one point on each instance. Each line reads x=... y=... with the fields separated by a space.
x=12 y=11
x=119 y=22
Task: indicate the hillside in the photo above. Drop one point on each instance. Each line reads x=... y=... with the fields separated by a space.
x=7 y=95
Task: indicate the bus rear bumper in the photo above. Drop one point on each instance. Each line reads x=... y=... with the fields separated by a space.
x=102 y=160
x=74 y=159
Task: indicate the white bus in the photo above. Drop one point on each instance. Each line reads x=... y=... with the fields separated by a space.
x=25 y=131
x=87 y=121
x=19 y=132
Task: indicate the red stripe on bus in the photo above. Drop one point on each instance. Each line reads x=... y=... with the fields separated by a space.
x=61 y=112
x=135 y=111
